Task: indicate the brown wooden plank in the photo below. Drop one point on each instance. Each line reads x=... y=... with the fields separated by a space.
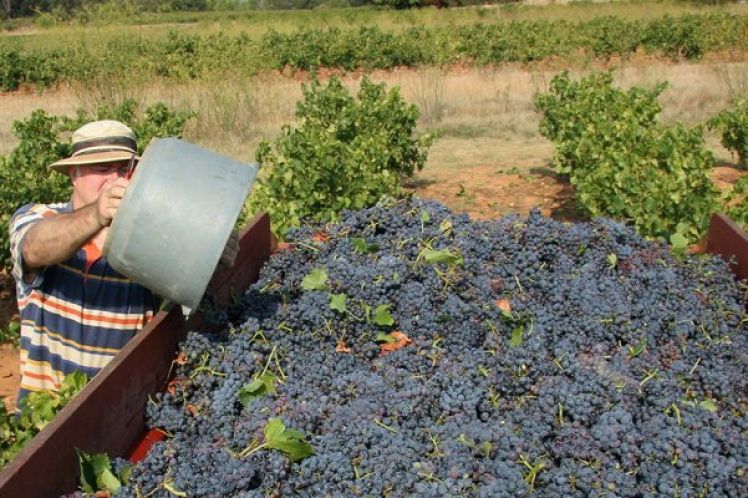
x=108 y=414
x=728 y=240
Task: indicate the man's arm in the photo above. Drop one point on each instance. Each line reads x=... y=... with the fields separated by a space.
x=56 y=239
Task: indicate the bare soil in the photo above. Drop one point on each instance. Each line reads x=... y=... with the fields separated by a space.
x=9 y=357
x=491 y=191
x=9 y=374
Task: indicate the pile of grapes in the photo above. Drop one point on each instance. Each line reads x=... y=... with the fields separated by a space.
x=410 y=351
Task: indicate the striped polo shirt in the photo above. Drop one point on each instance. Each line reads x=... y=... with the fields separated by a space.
x=75 y=315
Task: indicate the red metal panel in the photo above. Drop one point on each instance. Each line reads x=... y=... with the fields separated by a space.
x=142 y=447
x=729 y=241
x=108 y=414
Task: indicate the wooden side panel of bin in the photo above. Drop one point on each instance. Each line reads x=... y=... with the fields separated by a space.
x=108 y=414
x=729 y=241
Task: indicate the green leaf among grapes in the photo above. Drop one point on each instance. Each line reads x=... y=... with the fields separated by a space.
x=382 y=316
x=709 y=405
x=260 y=386
x=516 y=339
x=678 y=241
x=362 y=247
x=450 y=258
x=96 y=473
x=337 y=302
x=388 y=338
x=638 y=349
x=315 y=280
x=445 y=226
x=288 y=441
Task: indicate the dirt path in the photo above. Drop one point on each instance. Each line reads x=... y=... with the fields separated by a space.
x=9 y=367
x=9 y=374
x=494 y=190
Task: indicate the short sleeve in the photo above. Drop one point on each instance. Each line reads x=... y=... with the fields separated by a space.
x=20 y=223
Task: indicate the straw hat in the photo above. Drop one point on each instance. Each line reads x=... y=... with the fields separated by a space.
x=99 y=142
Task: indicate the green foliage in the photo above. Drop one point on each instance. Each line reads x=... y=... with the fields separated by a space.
x=34 y=412
x=11 y=334
x=737 y=202
x=362 y=247
x=622 y=163
x=608 y=36
x=733 y=124
x=381 y=316
x=261 y=385
x=398 y=4
x=315 y=280
x=41 y=68
x=677 y=38
x=690 y=36
x=445 y=256
x=24 y=174
x=97 y=473
x=278 y=437
x=346 y=153
x=179 y=55
x=338 y=302
x=10 y=69
x=288 y=441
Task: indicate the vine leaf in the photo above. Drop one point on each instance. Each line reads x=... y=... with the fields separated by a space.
x=337 y=302
x=709 y=405
x=450 y=258
x=516 y=339
x=288 y=441
x=638 y=349
x=382 y=316
x=96 y=473
x=361 y=246
x=260 y=386
x=678 y=241
x=315 y=280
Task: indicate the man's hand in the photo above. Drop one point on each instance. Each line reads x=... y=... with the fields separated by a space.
x=228 y=258
x=109 y=200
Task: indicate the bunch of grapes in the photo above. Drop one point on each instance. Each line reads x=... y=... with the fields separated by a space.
x=423 y=354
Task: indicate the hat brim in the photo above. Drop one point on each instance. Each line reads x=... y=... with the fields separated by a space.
x=62 y=165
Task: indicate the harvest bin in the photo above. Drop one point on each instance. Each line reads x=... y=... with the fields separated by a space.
x=108 y=414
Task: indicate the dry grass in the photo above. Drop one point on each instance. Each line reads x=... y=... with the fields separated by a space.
x=18 y=105
x=484 y=115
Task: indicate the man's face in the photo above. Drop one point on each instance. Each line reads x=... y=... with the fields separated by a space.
x=90 y=180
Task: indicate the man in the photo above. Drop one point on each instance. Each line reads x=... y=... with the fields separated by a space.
x=76 y=311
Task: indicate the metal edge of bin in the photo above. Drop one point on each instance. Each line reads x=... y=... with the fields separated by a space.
x=108 y=415
x=728 y=240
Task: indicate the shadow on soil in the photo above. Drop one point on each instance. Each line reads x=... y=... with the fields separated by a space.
x=566 y=210
x=420 y=182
